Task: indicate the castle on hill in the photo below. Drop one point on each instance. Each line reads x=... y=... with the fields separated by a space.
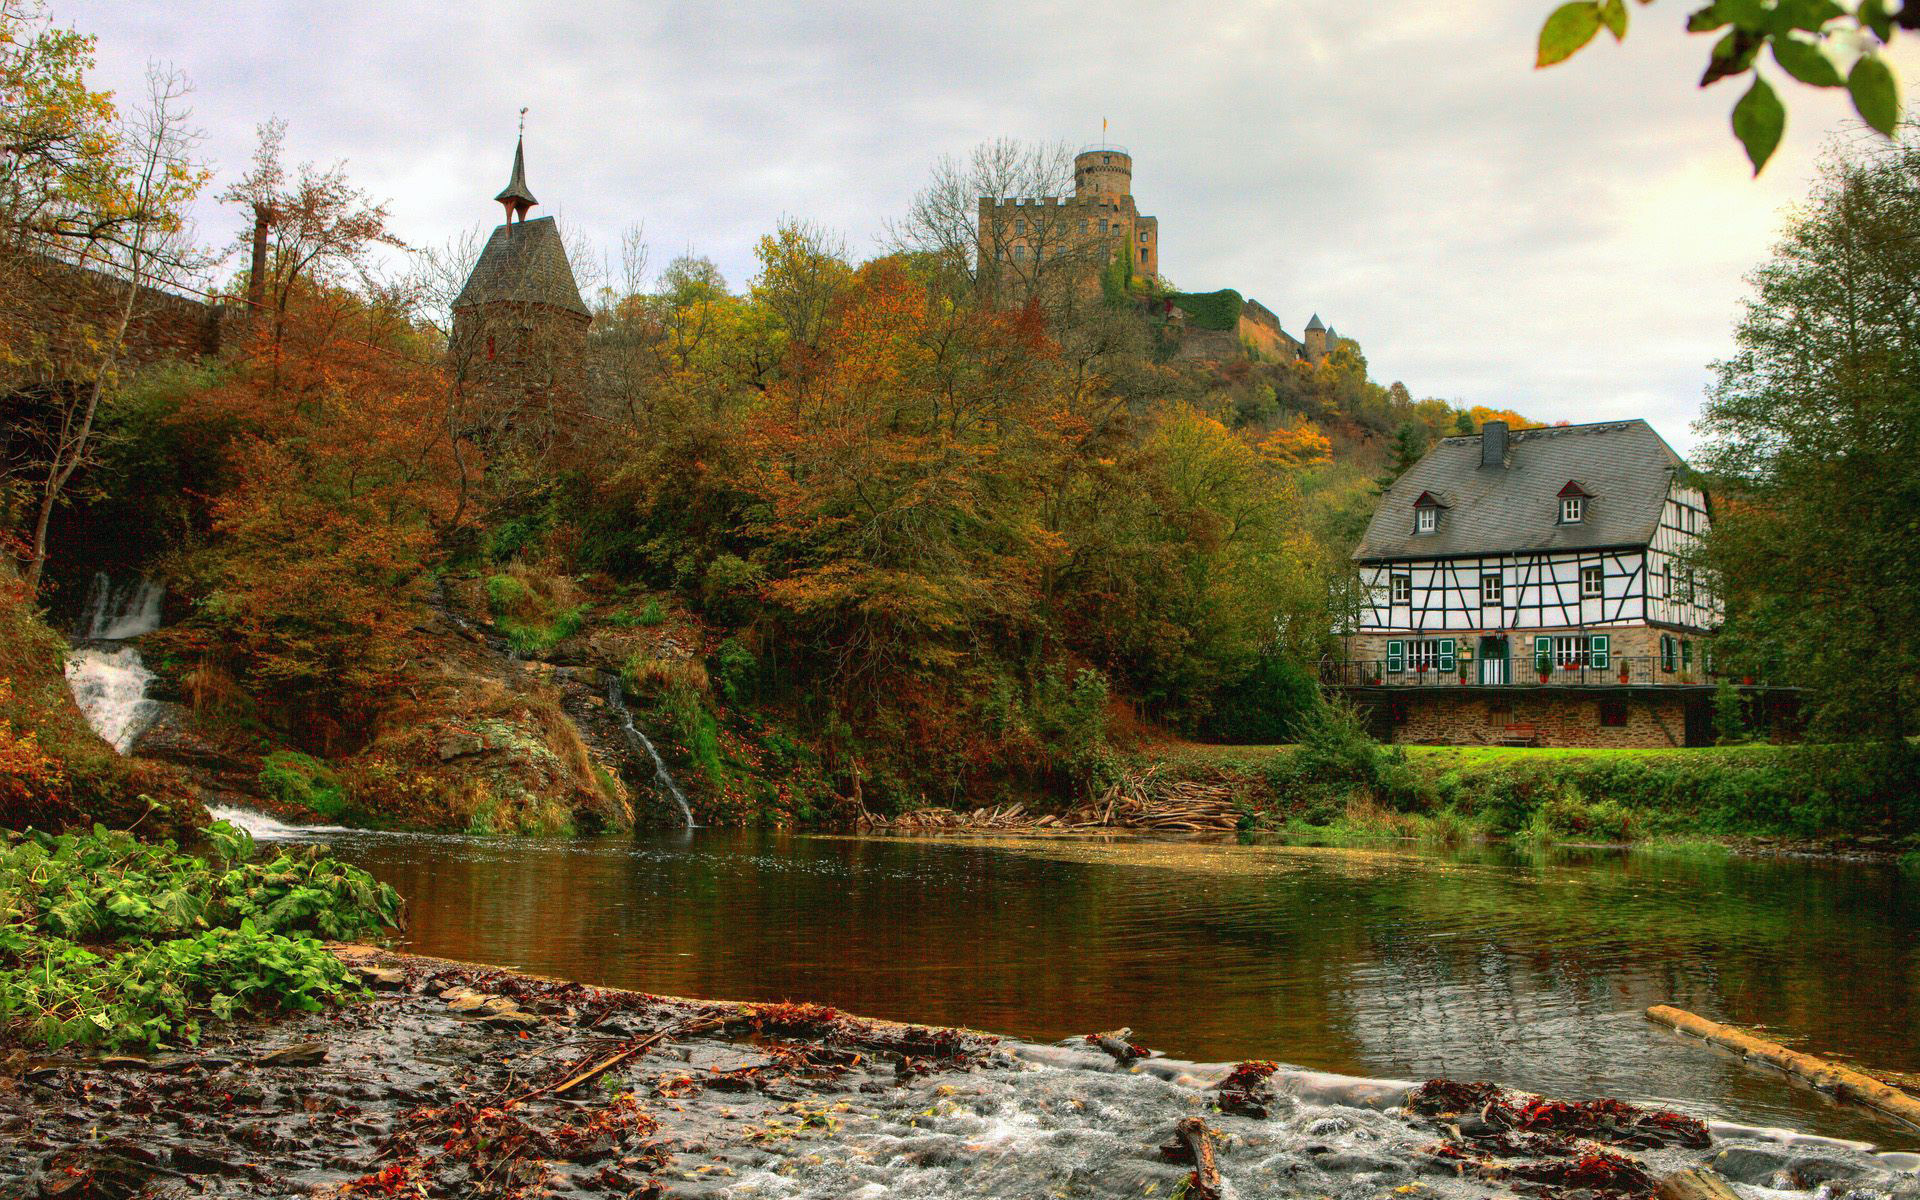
x=1021 y=239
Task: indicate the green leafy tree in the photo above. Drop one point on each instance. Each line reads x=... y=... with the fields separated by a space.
x=1813 y=428
x=1807 y=40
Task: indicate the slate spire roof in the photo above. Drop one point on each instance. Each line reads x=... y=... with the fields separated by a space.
x=1624 y=466
x=524 y=262
x=1315 y=323
x=517 y=197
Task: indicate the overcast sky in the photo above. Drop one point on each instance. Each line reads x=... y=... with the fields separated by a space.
x=1569 y=243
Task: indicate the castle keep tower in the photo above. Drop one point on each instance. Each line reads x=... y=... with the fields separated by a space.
x=519 y=325
x=1021 y=236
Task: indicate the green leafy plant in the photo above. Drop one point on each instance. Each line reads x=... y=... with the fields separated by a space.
x=107 y=940
x=1798 y=33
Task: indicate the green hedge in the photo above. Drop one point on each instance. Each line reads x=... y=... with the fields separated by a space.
x=1210 y=310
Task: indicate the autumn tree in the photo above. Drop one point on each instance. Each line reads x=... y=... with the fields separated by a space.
x=318 y=229
x=94 y=224
x=1813 y=430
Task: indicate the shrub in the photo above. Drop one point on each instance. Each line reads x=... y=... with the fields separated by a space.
x=1563 y=813
x=1266 y=704
x=507 y=596
x=294 y=778
x=650 y=613
x=739 y=670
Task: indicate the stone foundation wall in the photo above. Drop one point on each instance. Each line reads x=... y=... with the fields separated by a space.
x=1474 y=718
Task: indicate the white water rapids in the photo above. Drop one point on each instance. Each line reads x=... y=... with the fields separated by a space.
x=108 y=677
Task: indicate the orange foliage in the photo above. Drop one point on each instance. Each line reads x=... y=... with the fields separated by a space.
x=346 y=477
x=27 y=773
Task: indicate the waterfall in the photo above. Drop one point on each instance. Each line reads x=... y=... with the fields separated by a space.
x=108 y=677
x=113 y=615
x=638 y=741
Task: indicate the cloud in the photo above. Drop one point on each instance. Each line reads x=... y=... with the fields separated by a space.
x=1570 y=243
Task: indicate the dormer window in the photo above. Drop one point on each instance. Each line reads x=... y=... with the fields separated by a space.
x=1573 y=503
x=1426 y=513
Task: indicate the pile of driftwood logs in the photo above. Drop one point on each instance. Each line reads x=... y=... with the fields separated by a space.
x=1139 y=800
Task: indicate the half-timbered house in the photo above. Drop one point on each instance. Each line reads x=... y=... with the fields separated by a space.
x=1537 y=587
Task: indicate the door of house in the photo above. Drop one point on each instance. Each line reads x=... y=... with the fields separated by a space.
x=1493 y=660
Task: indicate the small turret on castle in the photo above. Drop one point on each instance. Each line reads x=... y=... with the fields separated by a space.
x=519 y=324
x=1020 y=235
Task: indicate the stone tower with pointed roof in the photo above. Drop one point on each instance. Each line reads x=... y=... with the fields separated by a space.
x=519 y=324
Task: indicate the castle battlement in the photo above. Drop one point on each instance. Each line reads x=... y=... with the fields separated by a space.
x=1097 y=222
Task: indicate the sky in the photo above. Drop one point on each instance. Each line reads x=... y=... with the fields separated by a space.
x=1569 y=243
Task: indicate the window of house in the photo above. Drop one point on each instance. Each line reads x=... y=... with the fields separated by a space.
x=1103 y=225
x=1591 y=586
x=1426 y=520
x=1019 y=254
x=1665 y=580
x=1567 y=652
x=1490 y=590
x=1572 y=509
x=1400 y=589
x=1143 y=235
x=1083 y=224
x=1669 y=652
x=1422 y=655
x=1613 y=711
x=1686 y=585
x=1686 y=655
x=1019 y=227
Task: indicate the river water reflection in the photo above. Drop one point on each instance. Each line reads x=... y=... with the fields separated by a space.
x=1528 y=968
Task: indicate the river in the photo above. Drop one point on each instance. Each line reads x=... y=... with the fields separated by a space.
x=1528 y=968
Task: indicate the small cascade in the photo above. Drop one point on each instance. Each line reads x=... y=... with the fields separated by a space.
x=108 y=677
x=112 y=615
x=638 y=741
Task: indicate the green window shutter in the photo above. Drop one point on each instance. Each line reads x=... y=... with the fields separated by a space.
x=1543 y=653
x=1600 y=650
x=1396 y=657
x=1447 y=663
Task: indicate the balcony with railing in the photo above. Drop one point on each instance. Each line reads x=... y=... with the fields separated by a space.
x=1521 y=672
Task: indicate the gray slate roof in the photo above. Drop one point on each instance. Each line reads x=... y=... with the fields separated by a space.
x=524 y=263
x=1624 y=464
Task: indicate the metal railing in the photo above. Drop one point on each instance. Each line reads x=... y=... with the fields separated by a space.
x=1521 y=671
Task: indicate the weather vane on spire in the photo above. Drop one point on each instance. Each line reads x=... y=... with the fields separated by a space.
x=523 y=120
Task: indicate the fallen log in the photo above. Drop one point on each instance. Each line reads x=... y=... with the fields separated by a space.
x=1119 y=1044
x=1697 y=1183
x=1193 y=1143
x=1828 y=1076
